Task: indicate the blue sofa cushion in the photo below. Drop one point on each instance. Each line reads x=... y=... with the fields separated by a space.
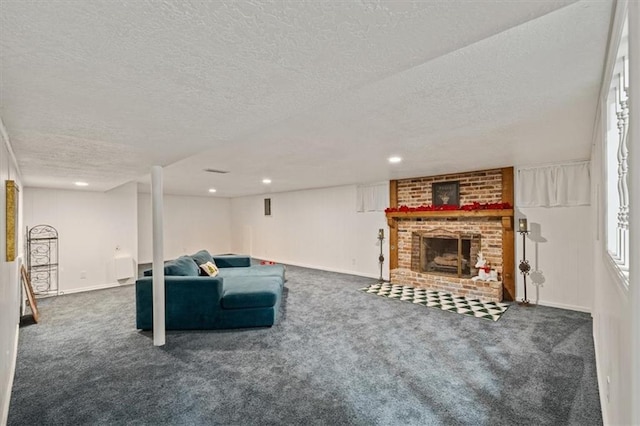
x=202 y=257
x=250 y=292
x=183 y=266
x=192 y=303
x=254 y=271
x=232 y=261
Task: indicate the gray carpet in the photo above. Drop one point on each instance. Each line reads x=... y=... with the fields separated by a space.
x=337 y=356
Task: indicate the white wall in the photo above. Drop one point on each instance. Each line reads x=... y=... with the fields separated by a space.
x=93 y=227
x=190 y=224
x=10 y=291
x=612 y=320
x=560 y=252
x=616 y=323
x=317 y=228
x=122 y=240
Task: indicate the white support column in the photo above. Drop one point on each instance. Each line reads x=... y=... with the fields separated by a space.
x=158 y=257
x=634 y=208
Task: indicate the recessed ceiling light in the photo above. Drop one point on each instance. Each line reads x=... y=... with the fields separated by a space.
x=81 y=184
x=266 y=181
x=212 y=190
x=395 y=159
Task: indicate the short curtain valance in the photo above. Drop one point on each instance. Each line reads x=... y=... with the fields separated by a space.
x=372 y=197
x=560 y=185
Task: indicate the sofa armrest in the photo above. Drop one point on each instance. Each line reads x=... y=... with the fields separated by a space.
x=189 y=301
x=232 y=260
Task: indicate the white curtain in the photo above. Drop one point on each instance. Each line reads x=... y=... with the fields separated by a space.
x=560 y=185
x=372 y=197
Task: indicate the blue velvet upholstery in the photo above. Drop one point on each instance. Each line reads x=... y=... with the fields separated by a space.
x=247 y=292
x=254 y=271
x=232 y=261
x=202 y=257
x=183 y=266
x=243 y=296
x=190 y=302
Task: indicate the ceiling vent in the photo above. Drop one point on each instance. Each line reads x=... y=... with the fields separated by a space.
x=216 y=171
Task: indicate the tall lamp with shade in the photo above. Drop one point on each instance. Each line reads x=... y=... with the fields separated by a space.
x=524 y=263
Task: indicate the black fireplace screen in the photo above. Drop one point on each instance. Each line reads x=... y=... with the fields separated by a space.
x=445 y=254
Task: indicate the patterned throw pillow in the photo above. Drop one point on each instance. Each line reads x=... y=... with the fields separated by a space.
x=210 y=269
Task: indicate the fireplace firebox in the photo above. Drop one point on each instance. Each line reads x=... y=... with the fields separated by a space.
x=443 y=252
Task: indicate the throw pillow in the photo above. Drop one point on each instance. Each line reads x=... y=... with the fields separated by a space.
x=210 y=269
x=201 y=257
x=182 y=266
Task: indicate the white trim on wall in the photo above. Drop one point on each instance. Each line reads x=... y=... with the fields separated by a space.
x=564 y=306
x=328 y=269
x=92 y=288
x=10 y=286
x=634 y=189
x=12 y=372
x=604 y=407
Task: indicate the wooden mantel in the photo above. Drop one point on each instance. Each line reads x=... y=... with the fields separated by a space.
x=454 y=214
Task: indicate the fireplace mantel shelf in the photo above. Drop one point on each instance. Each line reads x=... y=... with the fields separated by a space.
x=453 y=214
x=439 y=214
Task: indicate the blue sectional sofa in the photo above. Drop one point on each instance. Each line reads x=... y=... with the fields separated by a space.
x=241 y=295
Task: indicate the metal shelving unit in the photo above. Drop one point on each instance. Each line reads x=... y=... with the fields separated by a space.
x=42 y=259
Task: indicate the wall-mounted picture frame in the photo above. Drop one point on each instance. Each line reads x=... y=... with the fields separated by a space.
x=445 y=193
x=11 y=190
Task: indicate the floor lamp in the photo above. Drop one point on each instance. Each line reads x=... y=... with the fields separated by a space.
x=524 y=263
x=381 y=257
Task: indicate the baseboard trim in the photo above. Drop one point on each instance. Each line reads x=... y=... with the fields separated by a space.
x=602 y=389
x=96 y=287
x=12 y=371
x=563 y=306
x=324 y=268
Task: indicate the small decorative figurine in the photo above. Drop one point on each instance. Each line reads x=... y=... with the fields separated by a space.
x=484 y=270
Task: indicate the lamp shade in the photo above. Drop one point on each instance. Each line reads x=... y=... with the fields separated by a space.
x=522 y=225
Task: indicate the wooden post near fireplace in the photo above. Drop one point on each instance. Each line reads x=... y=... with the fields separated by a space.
x=393 y=230
x=508 y=239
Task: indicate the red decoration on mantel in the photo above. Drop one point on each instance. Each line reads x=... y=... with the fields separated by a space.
x=446 y=207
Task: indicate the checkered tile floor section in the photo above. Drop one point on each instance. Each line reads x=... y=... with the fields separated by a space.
x=439 y=299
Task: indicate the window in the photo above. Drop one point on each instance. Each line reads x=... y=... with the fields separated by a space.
x=617 y=170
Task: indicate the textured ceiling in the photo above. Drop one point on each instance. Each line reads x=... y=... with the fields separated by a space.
x=310 y=94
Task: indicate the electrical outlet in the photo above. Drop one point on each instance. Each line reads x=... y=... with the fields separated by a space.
x=353 y=262
x=608 y=388
x=83 y=275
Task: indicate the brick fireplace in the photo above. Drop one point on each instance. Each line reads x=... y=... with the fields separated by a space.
x=438 y=249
